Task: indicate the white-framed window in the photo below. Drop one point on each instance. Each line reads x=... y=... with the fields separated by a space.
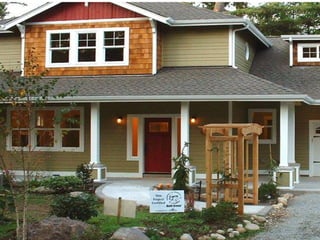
x=87 y=47
x=308 y=52
x=46 y=129
x=266 y=118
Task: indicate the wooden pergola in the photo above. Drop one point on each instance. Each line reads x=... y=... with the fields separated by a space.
x=232 y=163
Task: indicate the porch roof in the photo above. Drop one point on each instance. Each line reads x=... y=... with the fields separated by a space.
x=303 y=79
x=178 y=84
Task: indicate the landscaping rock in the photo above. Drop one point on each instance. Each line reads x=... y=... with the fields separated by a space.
x=56 y=228
x=283 y=200
x=42 y=190
x=222 y=232
x=252 y=227
x=241 y=229
x=217 y=236
x=205 y=237
x=129 y=234
x=186 y=236
x=259 y=219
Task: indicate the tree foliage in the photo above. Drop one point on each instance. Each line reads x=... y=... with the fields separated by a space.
x=278 y=18
x=23 y=94
x=3 y=9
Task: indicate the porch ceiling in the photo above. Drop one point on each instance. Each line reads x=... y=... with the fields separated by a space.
x=178 y=84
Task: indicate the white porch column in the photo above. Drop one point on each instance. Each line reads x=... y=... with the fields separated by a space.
x=291 y=134
x=287 y=134
x=284 y=134
x=185 y=118
x=95 y=142
x=286 y=174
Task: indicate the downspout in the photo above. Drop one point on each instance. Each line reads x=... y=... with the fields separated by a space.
x=290 y=52
x=234 y=44
x=154 y=46
x=22 y=29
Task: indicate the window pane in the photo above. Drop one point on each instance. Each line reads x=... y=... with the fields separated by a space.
x=44 y=118
x=19 y=119
x=45 y=138
x=309 y=52
x=71 y=119
x=20 y=138
x=87 y=40
x=87 y=55
x=114 y=38
x=113 y=54
x=134 y=135
x=71 y=138
x=264 y=119
x=60 y=40
x=158 y=127
x=60 y=56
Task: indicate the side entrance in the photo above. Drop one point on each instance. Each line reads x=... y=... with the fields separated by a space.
x=314 y=149
x=157 y=145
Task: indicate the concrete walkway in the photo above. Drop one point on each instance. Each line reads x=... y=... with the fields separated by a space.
x=139 y=190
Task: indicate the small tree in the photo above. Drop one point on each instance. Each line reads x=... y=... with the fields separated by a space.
x=181 y=173
x=23 y=94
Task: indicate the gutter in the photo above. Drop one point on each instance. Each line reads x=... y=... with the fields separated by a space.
x=192 y=98
x=22 y=29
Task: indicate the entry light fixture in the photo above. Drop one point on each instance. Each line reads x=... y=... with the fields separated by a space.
x=193 y=120
x=119 y=120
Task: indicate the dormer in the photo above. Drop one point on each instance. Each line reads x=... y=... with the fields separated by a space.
x=304 y=50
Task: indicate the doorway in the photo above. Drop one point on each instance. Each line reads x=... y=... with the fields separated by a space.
x=314 y=128
x=157 y=145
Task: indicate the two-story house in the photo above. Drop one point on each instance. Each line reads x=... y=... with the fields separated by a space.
x=144 y=71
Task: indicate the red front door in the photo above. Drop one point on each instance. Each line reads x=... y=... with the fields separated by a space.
x=157 y=145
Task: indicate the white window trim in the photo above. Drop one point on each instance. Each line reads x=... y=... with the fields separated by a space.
x=73 y=48
x=57 y=130
x=300 y=52
x=273 y=140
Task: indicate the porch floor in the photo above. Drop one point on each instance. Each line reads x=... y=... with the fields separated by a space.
x=138 y=189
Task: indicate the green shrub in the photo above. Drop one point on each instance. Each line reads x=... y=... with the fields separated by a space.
x=62 y=184
x=84 y=172
x=223 y=212
x=6 y=203
x=268 y=191
x=80 y=207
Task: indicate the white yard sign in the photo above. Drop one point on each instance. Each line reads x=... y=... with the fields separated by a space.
x=166 y=201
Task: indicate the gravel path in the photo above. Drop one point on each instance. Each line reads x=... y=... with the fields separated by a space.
x=302 y=220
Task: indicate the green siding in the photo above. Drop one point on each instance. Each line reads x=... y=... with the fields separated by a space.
x=214 y=112
x=240 y=51
x=113 y=136
x=196 y=47
x=10 y=51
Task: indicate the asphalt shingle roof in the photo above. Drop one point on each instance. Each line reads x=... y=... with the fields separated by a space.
x=181 y=11
x=273 y=64
x=189 y=83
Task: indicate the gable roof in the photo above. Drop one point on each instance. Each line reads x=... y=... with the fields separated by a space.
x=170 y=13
x=178 y=84
x=303 y=79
